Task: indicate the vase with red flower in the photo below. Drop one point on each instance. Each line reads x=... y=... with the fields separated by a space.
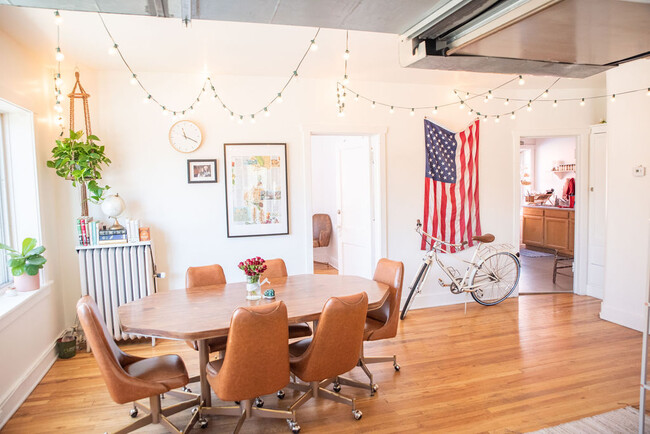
x=253 y=268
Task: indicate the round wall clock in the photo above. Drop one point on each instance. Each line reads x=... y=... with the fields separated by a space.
x=185 y=136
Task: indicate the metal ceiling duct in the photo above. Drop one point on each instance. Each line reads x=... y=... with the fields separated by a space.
x=566 y=38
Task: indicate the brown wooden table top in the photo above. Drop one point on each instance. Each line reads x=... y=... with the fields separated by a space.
x=205 y=312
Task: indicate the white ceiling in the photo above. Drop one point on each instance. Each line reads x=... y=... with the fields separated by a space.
x=153 y=44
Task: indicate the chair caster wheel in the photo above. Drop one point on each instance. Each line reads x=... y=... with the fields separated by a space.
x=396 y=366
x=336 y=387
x=357 y=414
x=186 y=389
x=194 y=410
x=280 y=394
x=203 y=423
x=133 y=412
x=259 y=403
x=293 y=426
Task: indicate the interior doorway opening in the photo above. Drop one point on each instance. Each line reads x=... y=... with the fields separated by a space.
x=345 y=189
x=548 y=173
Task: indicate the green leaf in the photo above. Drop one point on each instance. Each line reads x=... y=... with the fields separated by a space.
x=6 y=247
x=93 y=137
x=18 y=271
x=37 y=251
x=38 y=261
x=50 y=164
x=32 y=270
x=16 y=262
x=28 y=244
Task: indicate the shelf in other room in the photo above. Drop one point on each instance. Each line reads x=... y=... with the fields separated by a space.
x=106 y=246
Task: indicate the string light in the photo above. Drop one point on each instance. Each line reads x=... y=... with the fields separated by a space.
x=240 y=120
x=554 y=103
x=58 y=81
x=346 y=80
x=521 y=80
x=57 y=18
x=346 y=54
x=252 y=119
x=485 y=99
x=313 y=46
x=113 y=50
x=462 y=104
x=496 y=119
x=435 y=110
x=392 y=110
x=57 y=107
x=512 y=116
x=59 y=55
x=582 y=102
x=267 y=113
x=614 y=97
x=545 y=94
x=489 y=95
x=279 y=98
x=373 y=105
x=485 y=118
x=507 y=101
x=356 y=97
x=412 y=112
x=164 y=111
x=174 y=116
x=529 y=107
x=648 y=94
x=232 y=116
x=59 y=96
x=134 y=79
x=470 y=112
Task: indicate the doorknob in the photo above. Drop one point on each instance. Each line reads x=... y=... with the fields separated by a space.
x=591 y=189
x=338 y=211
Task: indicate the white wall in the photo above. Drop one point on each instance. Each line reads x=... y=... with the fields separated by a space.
x=547 y=151
x=628 y=197
x=323 y=191
x=28 y=335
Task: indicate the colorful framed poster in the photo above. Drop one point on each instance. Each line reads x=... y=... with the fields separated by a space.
x=257 y=202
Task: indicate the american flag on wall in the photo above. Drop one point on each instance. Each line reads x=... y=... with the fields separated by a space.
x=451 y=211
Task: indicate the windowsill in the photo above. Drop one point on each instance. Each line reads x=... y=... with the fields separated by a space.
x=14 y=305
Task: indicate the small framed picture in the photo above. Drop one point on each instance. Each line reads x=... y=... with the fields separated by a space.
x=201 y=171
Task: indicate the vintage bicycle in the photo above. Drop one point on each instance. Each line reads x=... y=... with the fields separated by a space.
x=491 y=276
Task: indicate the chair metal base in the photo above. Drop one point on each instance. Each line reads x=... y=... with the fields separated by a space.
x=246 y=410
x=158 y=415
x=316 y=389
x=362 y=363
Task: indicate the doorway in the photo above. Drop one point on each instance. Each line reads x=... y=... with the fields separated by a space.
x=548 y=173
x=345 y=194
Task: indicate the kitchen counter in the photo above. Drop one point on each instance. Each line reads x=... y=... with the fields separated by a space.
x=550 y=227
x=548 y=207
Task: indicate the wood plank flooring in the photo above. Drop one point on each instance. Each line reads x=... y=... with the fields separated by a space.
x=321 y=268
x=537 y=276
x=525 y=364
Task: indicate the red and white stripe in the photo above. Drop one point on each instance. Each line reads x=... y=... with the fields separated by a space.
x=451 y=211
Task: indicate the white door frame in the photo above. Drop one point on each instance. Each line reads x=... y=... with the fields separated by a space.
x=580 y=247
x=379 y=181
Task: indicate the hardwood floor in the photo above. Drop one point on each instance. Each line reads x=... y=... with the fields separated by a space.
x=537 y=276
x=522 y=365
x=321 y=268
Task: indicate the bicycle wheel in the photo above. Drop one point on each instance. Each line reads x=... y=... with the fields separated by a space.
x=496 y=278
x=414 y=289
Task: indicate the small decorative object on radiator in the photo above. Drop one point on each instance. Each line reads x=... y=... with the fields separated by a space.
x=145 y=234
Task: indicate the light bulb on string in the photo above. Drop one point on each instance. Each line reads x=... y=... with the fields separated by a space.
x=346 y=54
x=59 y=55
x=529 y=107
x=435 y=110
x=467 y=95
x=506 y=102
x=279 y=98
x=648 y=94
x=512 y=116
x=373 y=105
x=485 y=99
x=554 y=103
x=252 y=119
x=545 y=94
x=342 y=97
x=181 y=114
x=59 y=97
x=226 y=109
x=174 y=116
x=341 y=113
x=614 y=97
x=214 y=96
x=391 y=110
x=197 y=102
x=58 y=81
x=314 y=45
x=240 y=120
x=582 y=102
x=470 y=112
x=57 y=18
x=489 y=95
x=462 y=104
x=59 y=121
x=191 y=109
x=346 y=80
x=112 y=50
x=485 y=118
x=412 y=112
x=356 y=97
x=57 y=107
x=232 y=116
x=147 y=99
x=134 y=79
x=521 y=80
x=164 y=111
x=267 y=113
x=497 y=119
x=295 y=75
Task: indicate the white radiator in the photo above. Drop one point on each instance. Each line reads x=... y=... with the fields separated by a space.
x=115 y=275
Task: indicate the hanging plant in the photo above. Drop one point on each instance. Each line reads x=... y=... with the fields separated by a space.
x=81 y=161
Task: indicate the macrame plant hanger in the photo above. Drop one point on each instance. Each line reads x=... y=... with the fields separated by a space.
x=78 y=92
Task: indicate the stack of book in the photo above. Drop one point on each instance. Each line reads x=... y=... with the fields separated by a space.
x=87 y=231
x=112 y=236
x=133 y=230
x=94 y=233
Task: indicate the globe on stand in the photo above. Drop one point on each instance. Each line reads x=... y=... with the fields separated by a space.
x=113 y=207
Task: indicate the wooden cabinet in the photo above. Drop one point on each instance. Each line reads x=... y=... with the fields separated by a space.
x=548 y=228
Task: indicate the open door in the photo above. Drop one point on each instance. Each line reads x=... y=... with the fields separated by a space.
x=597 y=197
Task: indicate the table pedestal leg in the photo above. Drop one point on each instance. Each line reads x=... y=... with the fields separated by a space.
x=204 y=357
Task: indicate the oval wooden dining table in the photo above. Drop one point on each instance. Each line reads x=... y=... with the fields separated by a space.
x=198 y=314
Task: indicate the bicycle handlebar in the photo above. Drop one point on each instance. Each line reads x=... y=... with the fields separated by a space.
x=418 y=229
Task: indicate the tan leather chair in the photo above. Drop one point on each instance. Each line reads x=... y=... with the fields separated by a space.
x=275 y=269
x=130 y=378
x=256 y=363
x=381 y=323
x=333 y=351
x=322 y=227
x=196 y=277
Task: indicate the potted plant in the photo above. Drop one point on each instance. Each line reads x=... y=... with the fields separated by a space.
x=25 y=265
x=253 y=268
x=81 y=161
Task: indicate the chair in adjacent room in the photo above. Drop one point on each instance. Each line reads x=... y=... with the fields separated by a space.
x=197 y=277
x=130 y=378
x=256 y=363
x=276 y=268
x=333 y=350
x=322 y=229
x=381 y=323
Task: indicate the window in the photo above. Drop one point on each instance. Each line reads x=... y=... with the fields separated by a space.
x=5 y=274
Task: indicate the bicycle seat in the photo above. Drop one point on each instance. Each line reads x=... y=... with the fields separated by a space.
x=485 y=238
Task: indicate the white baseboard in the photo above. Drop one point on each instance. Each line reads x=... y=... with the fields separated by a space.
x=333 y=262
x=622 y=317
x=13 y=399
